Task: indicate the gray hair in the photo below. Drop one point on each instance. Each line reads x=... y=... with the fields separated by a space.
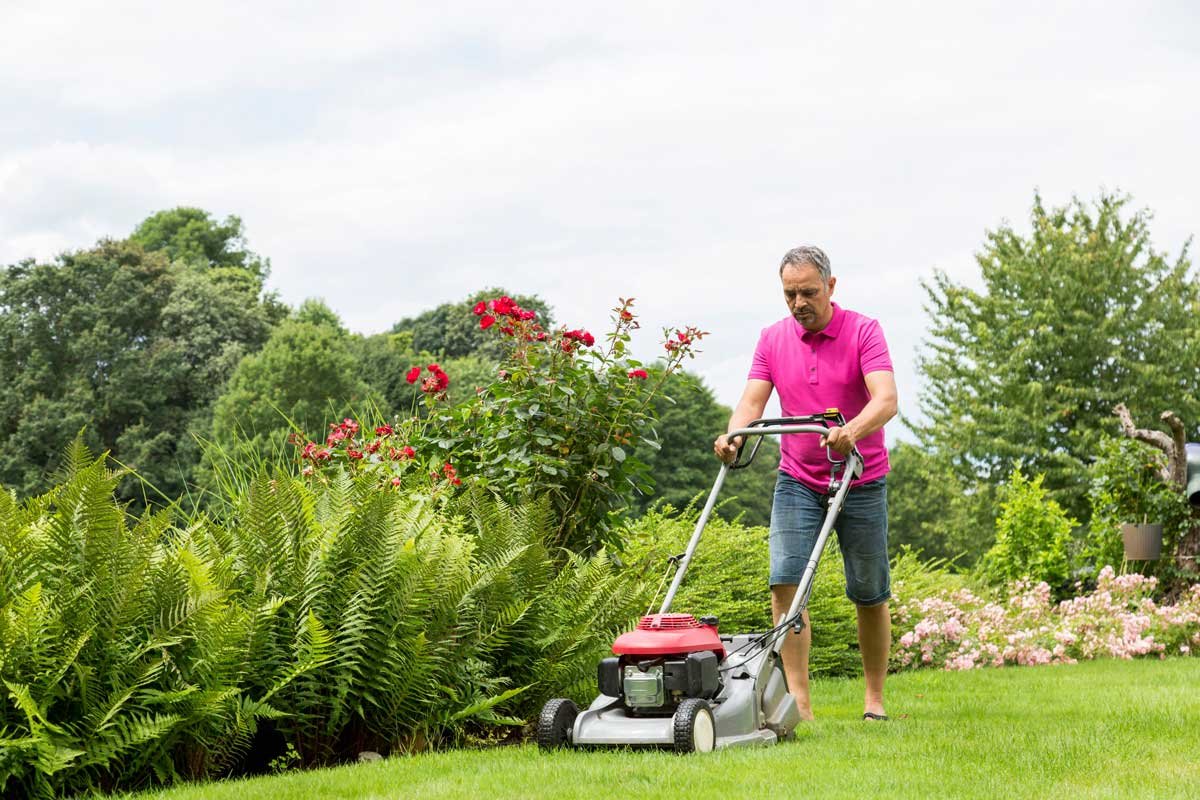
x=807 y=254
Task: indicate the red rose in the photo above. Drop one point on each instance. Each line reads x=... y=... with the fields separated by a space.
x=352 y=453
x=373 y=446
x=480 y=307
x=588 y=339
x=487 y=321
x=401 y=454
x=507 y=330
x=638 y=373
x=396 y=481
x=434 y=368
x=384 y=430
x=566 y=346
x=413 y=374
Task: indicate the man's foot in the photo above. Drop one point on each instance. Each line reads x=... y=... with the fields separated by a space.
x=805 y=708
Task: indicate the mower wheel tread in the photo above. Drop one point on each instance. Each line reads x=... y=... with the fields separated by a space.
x=690 y=712
x=555 y=723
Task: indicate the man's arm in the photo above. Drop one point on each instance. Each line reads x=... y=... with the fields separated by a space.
x=749 y=408
x=881 y=385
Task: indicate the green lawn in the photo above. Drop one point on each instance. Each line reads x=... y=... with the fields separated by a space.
x=1099 y=729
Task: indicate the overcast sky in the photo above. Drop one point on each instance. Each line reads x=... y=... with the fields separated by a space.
x=388 y=157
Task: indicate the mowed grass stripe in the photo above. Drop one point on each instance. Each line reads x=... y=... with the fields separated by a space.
x=1100 y=729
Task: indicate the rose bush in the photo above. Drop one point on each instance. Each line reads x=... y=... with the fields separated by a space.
x=562 y=419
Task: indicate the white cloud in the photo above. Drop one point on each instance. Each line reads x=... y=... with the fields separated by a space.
x=671 y=152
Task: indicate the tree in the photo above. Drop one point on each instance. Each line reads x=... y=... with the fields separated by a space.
x=191 y=235
x=689 y=418
x=127 y=345
x=1075 y=316
x=306 y=373
x=930 y=509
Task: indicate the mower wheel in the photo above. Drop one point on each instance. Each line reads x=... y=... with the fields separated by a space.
x=694 y=728
x=555 y=723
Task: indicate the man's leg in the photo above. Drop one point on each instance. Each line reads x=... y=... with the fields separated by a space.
x=795 y=649
x=796 y=514
x=862 y=535
x=874 y=642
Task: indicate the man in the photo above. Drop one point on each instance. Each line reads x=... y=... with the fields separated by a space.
x=824 y=356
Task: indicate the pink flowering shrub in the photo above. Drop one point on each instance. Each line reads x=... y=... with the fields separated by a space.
x=960 y=630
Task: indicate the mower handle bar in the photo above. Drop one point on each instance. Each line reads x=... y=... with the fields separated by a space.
x=818 y=423
x=853 y=464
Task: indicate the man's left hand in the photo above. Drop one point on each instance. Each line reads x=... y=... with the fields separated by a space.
x=839 y=439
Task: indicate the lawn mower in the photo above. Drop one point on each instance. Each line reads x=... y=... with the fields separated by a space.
x=675 y=682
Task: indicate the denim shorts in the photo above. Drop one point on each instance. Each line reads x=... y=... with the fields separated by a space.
x=796 y=516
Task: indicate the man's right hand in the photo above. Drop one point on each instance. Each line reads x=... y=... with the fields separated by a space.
x=726 y=449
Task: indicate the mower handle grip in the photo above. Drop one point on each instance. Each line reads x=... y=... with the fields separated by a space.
x=761 y=428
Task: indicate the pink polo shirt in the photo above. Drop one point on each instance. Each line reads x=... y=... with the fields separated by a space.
x=813 y=371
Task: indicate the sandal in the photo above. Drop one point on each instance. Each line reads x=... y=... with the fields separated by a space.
x=879 y=717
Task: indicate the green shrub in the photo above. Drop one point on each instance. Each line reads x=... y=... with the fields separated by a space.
x=1033 y=536
x=121 y=648
x=347 y=617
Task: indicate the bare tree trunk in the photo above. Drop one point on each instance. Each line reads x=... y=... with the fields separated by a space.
x=1187 y=551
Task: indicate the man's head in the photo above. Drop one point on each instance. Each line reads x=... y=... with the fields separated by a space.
x=808 y=286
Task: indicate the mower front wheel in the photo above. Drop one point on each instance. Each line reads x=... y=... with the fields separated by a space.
x=693 y=727
x=555 y=723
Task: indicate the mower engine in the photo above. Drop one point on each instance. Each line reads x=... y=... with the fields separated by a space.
x=667 y=658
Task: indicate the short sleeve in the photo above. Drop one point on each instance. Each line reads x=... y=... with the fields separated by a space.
x=873 y=350
x=760 y=368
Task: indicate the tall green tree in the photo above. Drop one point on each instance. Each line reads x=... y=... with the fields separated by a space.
x=684 y=467
x=306 y=374
x=1073 y=317
x=193 y=236
x=932 y=510
x=126 y=344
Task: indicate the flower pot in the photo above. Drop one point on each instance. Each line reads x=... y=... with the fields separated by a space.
x=1143 y=541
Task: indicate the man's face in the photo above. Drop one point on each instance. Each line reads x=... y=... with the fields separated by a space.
x=808 y=297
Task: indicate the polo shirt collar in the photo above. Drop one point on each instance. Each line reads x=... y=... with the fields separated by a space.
x=831 y=330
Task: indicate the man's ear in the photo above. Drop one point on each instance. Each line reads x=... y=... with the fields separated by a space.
x=832 y=283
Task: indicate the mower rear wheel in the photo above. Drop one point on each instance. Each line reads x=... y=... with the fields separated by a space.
x=694 y=728
x=555 y=723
